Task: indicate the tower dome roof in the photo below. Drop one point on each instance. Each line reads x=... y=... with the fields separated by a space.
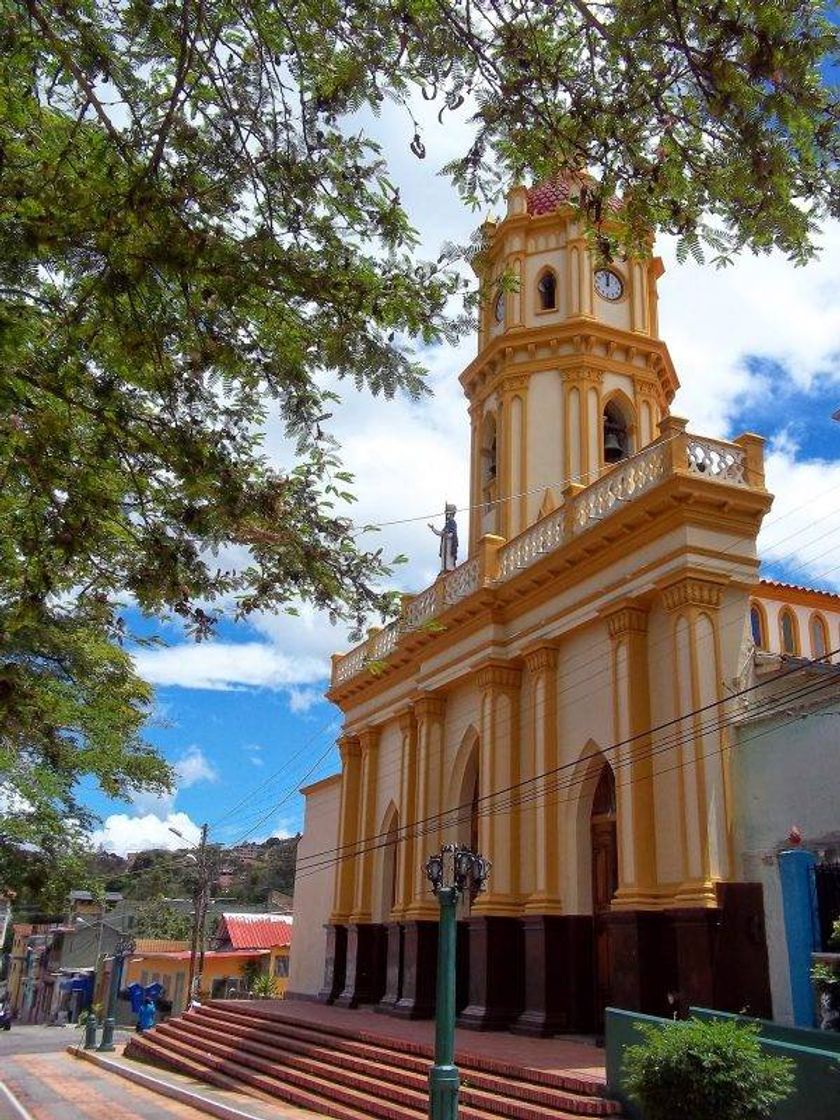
x=565 y=186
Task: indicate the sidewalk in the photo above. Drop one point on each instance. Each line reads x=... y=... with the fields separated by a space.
x=85 y=1085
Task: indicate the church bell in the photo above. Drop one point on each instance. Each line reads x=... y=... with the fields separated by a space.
x=613 y=444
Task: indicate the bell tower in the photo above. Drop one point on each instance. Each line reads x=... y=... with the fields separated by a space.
x=571 y=376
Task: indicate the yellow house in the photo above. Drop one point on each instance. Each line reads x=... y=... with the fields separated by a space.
x=561 y=699
x=259 y=940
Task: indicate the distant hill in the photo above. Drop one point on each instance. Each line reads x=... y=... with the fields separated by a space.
x=247 y=872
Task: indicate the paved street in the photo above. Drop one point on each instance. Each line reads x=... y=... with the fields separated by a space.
x=48 y=1084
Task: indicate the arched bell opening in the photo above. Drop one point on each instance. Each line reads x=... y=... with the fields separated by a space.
x=547 y=291
x=489 y=475
x=617 y=437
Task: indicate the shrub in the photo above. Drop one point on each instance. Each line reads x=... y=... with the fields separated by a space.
x=705 y=1071
x=265 y=987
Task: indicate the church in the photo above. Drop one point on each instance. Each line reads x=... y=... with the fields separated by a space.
x=561 y=699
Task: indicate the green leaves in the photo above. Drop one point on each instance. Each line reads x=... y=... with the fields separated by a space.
x=716 y=1066
x=194 y=237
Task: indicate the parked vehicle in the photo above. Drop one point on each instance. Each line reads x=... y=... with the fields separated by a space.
x=5 y=1017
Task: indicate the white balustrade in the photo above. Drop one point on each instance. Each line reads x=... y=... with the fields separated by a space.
x=709 y=458
x=351 y=664
x=422 y=608
x=624 y=482
x=545 y=536
x=713 y=459
x=385 y=641
x=461 y=583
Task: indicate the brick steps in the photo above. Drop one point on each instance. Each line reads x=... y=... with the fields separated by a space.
x=349 y=1076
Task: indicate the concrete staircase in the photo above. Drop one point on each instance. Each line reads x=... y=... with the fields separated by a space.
x=331 y=1071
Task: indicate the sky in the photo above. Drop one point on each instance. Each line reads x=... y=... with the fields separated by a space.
x=242 y=718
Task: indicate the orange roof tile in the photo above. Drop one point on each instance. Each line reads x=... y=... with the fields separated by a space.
x=257 y=931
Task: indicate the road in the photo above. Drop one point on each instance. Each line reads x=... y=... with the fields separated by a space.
x=39 y=1080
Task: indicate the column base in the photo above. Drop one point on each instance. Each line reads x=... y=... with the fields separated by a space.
x=419 y=975
x=365 y=974
x=558 y=975
x=335 y=964
x=716 y=957
x=393 y=967
x=495 y=993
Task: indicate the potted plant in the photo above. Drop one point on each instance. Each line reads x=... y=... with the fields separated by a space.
x=704 y=1070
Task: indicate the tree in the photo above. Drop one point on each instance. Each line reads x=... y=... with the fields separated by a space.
x=158 y=919
x=195 y=238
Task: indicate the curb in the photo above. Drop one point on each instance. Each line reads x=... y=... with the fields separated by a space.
x=164 y=1088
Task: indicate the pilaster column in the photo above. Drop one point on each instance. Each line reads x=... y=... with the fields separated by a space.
x=702 y=749
x=634 y=781
x=515 y=511
x=369 y=742
x=429 y=712
x=547 y=828
x=499 y=824
x=408 y=809
x=348 y=828
x=476 y=495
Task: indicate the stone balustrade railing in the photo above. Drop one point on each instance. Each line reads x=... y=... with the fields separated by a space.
x=675 y=452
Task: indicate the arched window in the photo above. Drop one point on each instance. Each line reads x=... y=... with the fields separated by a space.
x=499 y=308
x=616 y=434
x=547 y=291
x=488 y=450
x=819 y=636
x=759 y=634
x=787 y=630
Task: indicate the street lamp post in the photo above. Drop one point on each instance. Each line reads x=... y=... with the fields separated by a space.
x=455 y=870
x=125 y=947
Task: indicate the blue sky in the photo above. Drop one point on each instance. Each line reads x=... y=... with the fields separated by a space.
x=756 y=347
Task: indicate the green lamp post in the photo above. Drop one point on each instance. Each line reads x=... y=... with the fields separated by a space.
x=455 y=870
x=125 y=947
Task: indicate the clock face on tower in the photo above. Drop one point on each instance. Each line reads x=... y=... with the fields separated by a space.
x=608 y=284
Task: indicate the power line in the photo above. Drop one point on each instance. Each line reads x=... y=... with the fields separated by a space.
x=465 y=812
x=436 y=818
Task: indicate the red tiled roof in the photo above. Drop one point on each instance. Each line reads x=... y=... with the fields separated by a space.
x=546 y=197
x=210 y=954
x=798 y=587
x=256 y=931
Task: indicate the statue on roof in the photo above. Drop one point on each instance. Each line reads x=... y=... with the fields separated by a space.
x=448 y=539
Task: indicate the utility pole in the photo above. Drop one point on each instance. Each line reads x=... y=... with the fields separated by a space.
x=200 y=900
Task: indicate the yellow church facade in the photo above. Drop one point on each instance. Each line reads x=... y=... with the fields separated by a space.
x=559 y=700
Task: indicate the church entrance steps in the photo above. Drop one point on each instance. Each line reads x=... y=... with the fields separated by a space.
x=324 y=1062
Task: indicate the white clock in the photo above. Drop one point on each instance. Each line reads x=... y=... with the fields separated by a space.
x=608 y=284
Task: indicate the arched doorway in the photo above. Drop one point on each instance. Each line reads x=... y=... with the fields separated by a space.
x=602 y=833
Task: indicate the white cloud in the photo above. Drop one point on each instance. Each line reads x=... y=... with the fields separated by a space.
x=712 y=319
x=122 y=833
x=193 y=767
x=803 y=531
x=228 y=665
x=302 y=699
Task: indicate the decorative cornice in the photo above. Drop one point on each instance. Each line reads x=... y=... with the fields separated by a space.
x=349 y=747
x=369 y=739
x=430 y=707
x=406 y=721
x=583 y=376
x=627 y=620
x=514 y=383
x=541 y=659
x=692 y=592
x=505 y=677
